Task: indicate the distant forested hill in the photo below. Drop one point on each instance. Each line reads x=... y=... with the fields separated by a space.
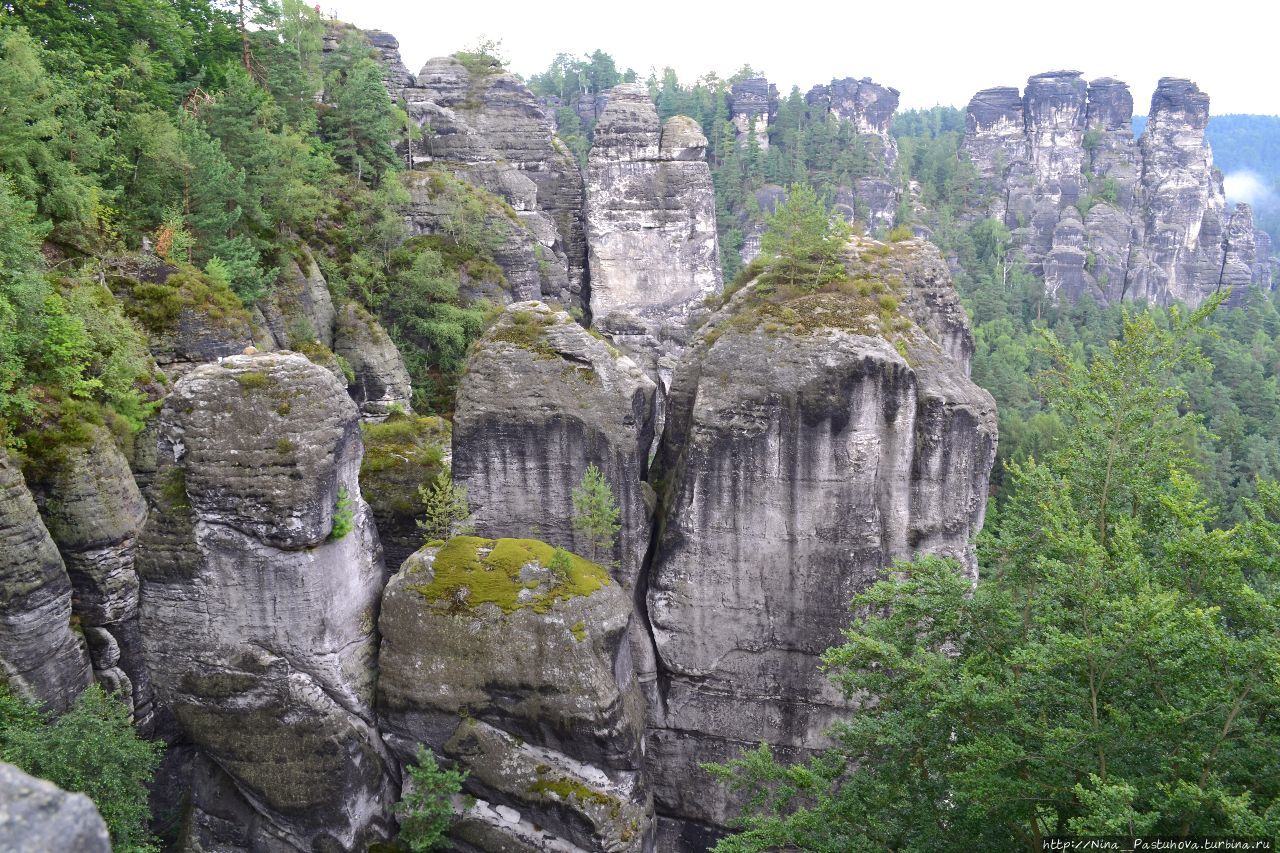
x=1247 y=150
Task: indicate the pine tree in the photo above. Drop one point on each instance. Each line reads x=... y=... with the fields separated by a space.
x=361 y=123
x=445 y=508
x=595 y=513
x=803 y=240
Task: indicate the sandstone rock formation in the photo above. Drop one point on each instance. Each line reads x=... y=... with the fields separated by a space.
x=518 y=669
x=299 y=308
x=94 y=512
x=540 y=401
x=652 y=247
x=37 y=817
x=261 y=580
x=188 y=319
x=1098 y=213
x=489 y=129
x=752 y=105
x=381 y=381
x=810 y=443
x=867 y=105
x=40 y=656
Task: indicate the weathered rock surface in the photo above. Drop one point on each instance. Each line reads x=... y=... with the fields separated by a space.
x=810 y=443
x=523 y=270
x=300 y=309
x=491 y=130
x=188 y=319
x=40 y=656
x=1098 y=213
x=652 y=247
x=38 y=817
x=867 y=105
x=520 y=673
x=540 y=401
x=752 y=104
x=381 y=380
x=258 y=614
x=94 y=512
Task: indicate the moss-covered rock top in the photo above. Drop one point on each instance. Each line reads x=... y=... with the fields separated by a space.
x=471 y=571
x=865 y=300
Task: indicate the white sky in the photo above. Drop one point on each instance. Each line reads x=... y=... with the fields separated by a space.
x=933 y=52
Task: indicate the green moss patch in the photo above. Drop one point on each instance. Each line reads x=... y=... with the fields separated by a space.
x=470 y=571
x=158 y=306
x=568 y=791
x=527 y=330
x=400 y=454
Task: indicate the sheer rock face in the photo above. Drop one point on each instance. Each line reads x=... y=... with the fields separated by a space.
x=95 y=513
x=300 y=308
x=526 y=682
x=798 y=465
x=867 y=105
x=381 y=380
x=258 y=620
x=752 y=105
x=1149 y=219
x=40 y=656
x=36 y=815
x=492 y=131
x=651 y=231
x=541 y=400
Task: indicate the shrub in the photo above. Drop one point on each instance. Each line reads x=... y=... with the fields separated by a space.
x=595 y=512
x=445 y=508
x=343 y=517
x=426 y=810
x=92 y=749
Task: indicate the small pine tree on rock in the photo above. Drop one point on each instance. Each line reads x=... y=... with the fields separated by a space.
x=595 y=512
x=426 y=810
x=445 y=508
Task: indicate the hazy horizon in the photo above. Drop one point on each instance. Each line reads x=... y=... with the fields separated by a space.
x=934 y=54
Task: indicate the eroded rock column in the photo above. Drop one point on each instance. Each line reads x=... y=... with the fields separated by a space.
x=261 y=584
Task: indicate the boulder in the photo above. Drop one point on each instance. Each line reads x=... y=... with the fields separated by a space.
x=515 y=666
x=37 y=817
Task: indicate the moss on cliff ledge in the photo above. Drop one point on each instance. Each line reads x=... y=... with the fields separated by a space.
x=401 y=454
x=865 y=301
x=470 y=571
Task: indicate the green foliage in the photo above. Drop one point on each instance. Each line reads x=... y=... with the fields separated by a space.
x=596 y=513
x=46 y=141
x=1114 y=671
x=803 y=242
x=343 y=516
x=426 y=810
x=445 y=511
x=361 y=123
x=58 y=345
x=92 y=749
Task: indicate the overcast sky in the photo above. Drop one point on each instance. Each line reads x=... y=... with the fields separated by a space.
x=933 y=52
